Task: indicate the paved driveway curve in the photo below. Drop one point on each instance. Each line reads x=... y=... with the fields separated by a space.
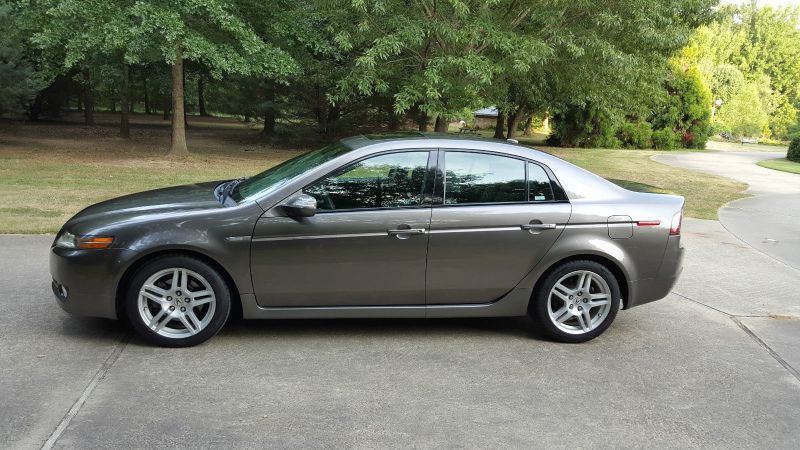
x=768 y=221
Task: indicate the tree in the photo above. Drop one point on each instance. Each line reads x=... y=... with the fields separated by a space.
x=436 y=58
x=19 y=80
x=607 y=66
x=212 y=33
x=744 y=114
x=686 y=108
x=726 y=81
x=751 y=44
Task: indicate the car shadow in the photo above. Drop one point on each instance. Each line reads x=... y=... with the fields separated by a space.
x=507 y=326
x=111 y=331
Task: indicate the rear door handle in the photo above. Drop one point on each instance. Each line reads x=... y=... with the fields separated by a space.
x=538 y=226
x=406 y=231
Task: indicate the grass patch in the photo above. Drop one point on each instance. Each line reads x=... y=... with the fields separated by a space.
x=782 y=164
x=49 y=172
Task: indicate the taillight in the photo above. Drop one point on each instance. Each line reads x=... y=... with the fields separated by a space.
x=675 y=226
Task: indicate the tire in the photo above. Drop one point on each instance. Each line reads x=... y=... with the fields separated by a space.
x=164 y=312
x=559 y=305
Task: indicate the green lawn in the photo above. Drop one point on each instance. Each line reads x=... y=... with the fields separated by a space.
x=782 y=164
x=50 y=172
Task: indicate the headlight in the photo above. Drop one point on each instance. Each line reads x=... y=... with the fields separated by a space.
x=65 y=240
x=69 y=240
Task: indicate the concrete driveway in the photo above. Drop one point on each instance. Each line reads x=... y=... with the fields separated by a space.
x=713 y=366
x=768 y=221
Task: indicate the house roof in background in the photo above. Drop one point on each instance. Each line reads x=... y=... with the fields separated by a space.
x=490 y=112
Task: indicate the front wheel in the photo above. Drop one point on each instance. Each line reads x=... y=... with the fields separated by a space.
x=177 y=301
x=576 y=302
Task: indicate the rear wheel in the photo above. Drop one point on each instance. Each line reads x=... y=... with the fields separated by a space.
x=576 y=302
x=177 y=301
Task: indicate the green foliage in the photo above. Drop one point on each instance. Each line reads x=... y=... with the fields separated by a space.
x=636 y=134
x=666 y=139
x=19 y=80
x=213 y=33
x=744 y=114
x=584 y=127
x=794 y=150
x=686 y=107
x=726 y=81
x=748 y=44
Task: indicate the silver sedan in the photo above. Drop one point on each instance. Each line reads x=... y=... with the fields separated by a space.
x=382 y=226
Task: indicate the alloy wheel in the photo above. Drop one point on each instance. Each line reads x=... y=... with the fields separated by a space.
x=176 y=302
x=579 y=302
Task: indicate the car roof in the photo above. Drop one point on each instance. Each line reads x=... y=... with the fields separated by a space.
x=374 y=138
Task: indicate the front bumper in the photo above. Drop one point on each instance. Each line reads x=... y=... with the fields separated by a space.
x=652 y=289
x=85 y=281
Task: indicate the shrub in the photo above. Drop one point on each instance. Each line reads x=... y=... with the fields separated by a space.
x=636 y=135
x=685 y=107
x=584 y=126
x=794 y=150
x=606 y=140
x=665 y=139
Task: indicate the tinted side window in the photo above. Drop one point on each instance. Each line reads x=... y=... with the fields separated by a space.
x=391 y=180
x=482 y=178
x=539 y=187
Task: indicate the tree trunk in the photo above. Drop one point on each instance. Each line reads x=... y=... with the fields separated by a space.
x=528 y=126
x=498 y=127
x=167 y=105
x=513 y=121
x=146 y=99
x=546 y=123
x=394 y=121
x=422 y=121
x=201 y=96
x=183 y=91
x=178 y=144
x=270 y=112
x=125 y=103
x=88 y=98
x=442 y=125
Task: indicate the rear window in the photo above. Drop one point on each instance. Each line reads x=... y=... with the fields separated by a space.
x=483 y=178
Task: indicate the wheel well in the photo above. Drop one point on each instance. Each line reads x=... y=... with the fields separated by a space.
x=122 y=287
x=622 y=281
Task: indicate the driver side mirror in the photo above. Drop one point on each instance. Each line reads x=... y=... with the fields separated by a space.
x=302 y=205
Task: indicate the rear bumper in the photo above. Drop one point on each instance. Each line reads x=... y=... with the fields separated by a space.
x=652 y=289
x=85 y=281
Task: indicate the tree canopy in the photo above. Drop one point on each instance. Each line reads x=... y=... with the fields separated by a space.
x=608 y=72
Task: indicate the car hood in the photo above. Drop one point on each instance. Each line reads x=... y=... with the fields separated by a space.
x=166 y=201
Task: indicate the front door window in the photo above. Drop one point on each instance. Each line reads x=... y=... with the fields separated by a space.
x=391 y=180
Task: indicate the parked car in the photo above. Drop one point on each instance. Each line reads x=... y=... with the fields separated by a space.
x=381 y=226
x=748 y=140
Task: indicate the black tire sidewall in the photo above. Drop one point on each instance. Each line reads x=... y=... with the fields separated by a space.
x=538 y=306
x=217 y=282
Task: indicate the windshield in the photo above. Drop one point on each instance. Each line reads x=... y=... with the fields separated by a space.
x=274 y=177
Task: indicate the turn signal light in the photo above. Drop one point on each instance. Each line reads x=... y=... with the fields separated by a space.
x=93 y=241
